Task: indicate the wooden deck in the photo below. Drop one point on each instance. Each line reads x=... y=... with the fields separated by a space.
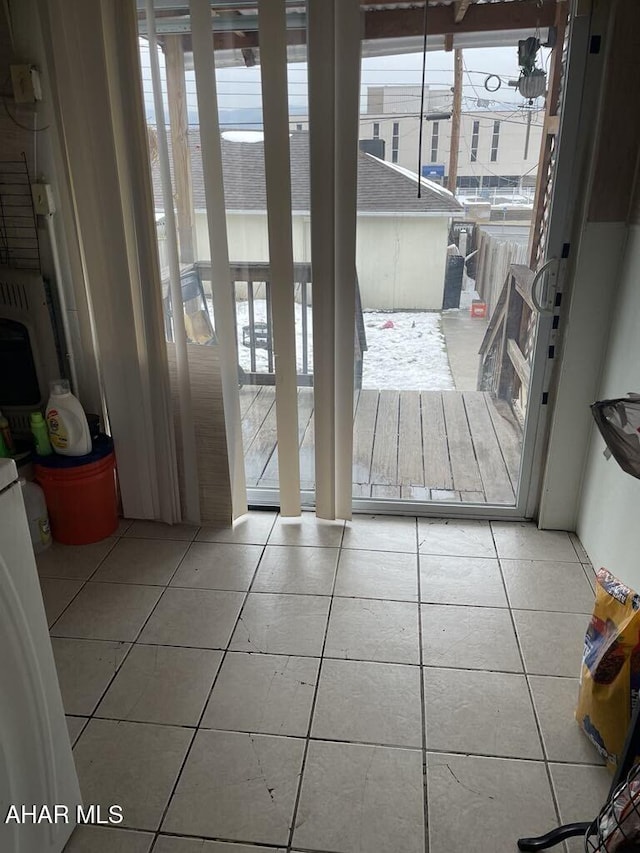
x=417 y=445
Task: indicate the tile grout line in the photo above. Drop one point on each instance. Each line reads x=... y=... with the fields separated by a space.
x=305 y=753
x=132 y=644
x=206 y=703
x=545 y=761
x=83 y=582
x=423 y=709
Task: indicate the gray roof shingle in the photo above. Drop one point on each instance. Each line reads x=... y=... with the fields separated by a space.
x=381 y=187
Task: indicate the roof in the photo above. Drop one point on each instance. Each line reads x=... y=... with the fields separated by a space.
x=382 y=187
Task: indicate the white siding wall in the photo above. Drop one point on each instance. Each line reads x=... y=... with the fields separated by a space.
x=401 y=260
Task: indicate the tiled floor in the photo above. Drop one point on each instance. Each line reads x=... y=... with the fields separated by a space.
x=392 y=685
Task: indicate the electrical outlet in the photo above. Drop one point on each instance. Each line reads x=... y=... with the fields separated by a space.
x=25 y=80
x=42 y=196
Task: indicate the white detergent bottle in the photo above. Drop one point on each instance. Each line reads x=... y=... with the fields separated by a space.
x=66 y=421
x=36 y=507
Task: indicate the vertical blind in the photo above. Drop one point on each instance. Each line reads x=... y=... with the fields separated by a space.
x=334 y=29
x=96 y=60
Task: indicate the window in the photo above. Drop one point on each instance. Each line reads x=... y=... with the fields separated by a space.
x=468 y=182
x=475 y=135
x=435 y=131
x=395 y=139
x=495 y=138
x=376 y=130
x=499 y=181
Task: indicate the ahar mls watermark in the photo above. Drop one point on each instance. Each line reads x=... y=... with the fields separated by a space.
x=94 y=814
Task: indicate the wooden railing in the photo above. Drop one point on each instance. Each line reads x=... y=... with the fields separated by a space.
x=505 y=352
x=252 y=281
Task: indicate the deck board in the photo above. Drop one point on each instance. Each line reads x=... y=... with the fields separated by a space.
x=305 y=411
x=364 y=428
x=384 y=464
x=258 y=409
x=421 y=446
x=509 y=436
x=307 y=451
x=464 y=467
x=262 y=448
x=410 y=461
x=437 y=468
x=493 y=471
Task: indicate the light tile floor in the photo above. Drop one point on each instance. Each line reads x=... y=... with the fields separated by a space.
x=393 y=685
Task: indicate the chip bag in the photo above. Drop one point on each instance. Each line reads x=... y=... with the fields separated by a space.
x=610 y=676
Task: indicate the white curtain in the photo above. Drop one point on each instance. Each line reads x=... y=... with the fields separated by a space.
x=95 y=75
x=334 y=37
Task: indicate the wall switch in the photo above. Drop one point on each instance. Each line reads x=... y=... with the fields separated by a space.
x=25 y=80
x=43 y=202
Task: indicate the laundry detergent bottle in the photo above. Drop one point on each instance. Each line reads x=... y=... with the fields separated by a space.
x=66 y=421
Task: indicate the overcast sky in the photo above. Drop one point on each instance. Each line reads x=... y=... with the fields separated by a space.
x=239 y=87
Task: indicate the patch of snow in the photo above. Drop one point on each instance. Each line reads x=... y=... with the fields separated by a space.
x=410 y=355
x=406 y=349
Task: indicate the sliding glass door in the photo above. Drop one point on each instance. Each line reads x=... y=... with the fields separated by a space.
x=461 y=212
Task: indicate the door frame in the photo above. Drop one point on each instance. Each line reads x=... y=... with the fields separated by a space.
x=574 y=135
x=581 y=74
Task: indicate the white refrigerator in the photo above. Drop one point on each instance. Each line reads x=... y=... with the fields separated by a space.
x=36 y=763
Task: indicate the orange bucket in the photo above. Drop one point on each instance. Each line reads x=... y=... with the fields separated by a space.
x=82 y=500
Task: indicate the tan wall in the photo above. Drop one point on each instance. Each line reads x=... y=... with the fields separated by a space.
x=401 y=260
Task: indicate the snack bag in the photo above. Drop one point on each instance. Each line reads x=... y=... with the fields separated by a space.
x=610 y=676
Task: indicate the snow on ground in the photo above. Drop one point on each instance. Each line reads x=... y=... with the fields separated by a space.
x=406 y=349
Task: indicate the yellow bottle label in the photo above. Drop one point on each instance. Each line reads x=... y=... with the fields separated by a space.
x=44 y=530
x=57 y=431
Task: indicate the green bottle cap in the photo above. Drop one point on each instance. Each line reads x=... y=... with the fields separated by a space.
x=36 y=418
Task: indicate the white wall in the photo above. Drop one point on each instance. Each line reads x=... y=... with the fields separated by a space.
x=609 y=509
x=401 y=260
x=587 y=326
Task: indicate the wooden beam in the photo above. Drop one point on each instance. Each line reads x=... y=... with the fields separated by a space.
x=448 y=42
x=518 y=360
x=405 y=23
x=460 y=9
x=486 y=17
x=179 y=125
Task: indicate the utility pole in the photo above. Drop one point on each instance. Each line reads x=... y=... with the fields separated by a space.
x=179 y=123
x=455 y=120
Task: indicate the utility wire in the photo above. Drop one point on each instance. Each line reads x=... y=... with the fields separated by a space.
x=424 y=79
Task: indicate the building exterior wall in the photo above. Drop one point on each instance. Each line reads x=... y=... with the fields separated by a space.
x=387 y=106
x=401 y=260
x=510 y=159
